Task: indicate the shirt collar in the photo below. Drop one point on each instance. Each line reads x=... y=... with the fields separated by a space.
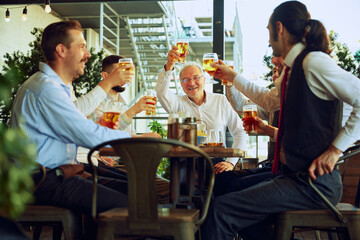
x=293 y=53
x=46 y=69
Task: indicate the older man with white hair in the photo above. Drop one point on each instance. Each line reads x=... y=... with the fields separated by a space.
x=211 y=108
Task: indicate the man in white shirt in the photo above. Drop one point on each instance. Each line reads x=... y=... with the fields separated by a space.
x=312 y=136
x=211 y=108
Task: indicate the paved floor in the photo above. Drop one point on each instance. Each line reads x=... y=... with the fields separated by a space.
x=46 y=234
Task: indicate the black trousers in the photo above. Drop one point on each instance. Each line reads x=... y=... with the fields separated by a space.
x=76 y=192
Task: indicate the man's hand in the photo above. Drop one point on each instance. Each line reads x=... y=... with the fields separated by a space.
x=101 y=118
x=118 y=77
x=139 y=107
x=261 y=127
x=325 y=162
x=223 y=71
x=172 y=57
x=223 y=166
x=147 y=135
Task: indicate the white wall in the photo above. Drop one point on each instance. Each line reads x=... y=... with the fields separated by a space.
x=16 y=34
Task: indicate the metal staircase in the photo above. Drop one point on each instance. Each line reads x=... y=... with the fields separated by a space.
x=151 y=38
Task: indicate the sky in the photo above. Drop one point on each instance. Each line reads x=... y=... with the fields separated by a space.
x=342 y=16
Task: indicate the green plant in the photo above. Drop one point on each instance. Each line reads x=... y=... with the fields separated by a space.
x=164 y=166
x=92 y=74
x=17 y=160
x=155 y=126
x=17 y=153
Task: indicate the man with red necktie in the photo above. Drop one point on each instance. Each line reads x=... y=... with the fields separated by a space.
x=310 y=137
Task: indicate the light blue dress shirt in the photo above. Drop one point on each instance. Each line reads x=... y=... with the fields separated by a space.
x=44 y=109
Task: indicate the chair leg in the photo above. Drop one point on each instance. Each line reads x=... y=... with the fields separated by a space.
x=317 y=234
x=283 y=230
x=57 y=232
x=37 y=232
x=354 y=230
x=105 y=232
x=72 y=226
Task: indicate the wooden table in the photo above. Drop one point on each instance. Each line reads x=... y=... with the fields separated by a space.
x=178 y=153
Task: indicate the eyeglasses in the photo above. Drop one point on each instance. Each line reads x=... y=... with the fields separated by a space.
x=195 y=78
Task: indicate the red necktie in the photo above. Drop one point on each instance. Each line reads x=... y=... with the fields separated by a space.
x=275 y=165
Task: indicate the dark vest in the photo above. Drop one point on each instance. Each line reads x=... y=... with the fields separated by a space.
x=271 y=147
x=310 y=123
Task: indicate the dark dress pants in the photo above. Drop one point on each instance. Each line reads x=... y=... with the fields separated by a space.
x=250 y=211
x=76 y=192
x=232 y=181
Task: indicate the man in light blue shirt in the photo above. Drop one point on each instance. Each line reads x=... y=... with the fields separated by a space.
x=43 y=108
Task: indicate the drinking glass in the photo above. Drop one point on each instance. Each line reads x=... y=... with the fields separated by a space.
x=209 y=58
x=124 y=61
x=112 y=111
x=182 y=46
x=215 y=138
x=226 y=82
x=201 y=132
x=249 y=112
x=151 y=101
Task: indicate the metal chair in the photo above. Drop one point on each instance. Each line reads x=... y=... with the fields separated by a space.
x=344 y=218
x=143 y=217
x=60 y=219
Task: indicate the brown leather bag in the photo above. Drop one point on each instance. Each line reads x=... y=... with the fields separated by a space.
x=70 y=170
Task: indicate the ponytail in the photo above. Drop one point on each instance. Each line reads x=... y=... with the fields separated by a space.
x=315 y=36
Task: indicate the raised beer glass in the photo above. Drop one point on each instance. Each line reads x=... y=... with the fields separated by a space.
x=151 y=102
x=124 y=61
x=182 y=46
x=209 y=58
x=226 y=82
x=249 y=112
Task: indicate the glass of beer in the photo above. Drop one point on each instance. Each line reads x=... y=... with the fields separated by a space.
x=209 y=58
x=182 y=46
x=112 y=111
x=151 y=102
x=215 y=138
x=226 y=82
x=249 y=112
x=124 y=61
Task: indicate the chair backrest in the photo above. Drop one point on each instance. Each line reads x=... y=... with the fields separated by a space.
x=141 y=157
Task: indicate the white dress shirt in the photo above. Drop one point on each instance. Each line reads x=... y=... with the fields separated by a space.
x=325 y=79
x=216 y=111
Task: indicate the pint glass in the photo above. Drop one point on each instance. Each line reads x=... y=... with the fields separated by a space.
x=209 y=58
x=112 y=111
x=225 y=82
x=249 y=112
x=151 y=101
x=182 y=46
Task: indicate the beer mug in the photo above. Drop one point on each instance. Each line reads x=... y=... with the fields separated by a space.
x=226 y=82
x=182 y=46
x=151 y=102
x=112 y=111
x=249 y=112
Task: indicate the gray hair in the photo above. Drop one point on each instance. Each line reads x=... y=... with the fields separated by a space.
x=191 y=64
